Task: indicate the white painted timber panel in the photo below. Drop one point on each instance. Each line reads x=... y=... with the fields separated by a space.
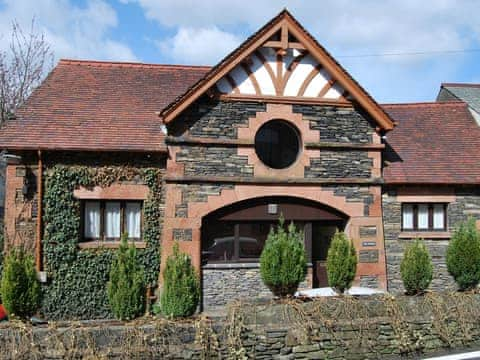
x=264 y=80
x=298 y=76
x=244 y=84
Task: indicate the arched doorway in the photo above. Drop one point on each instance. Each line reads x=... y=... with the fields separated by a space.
x=233 y=237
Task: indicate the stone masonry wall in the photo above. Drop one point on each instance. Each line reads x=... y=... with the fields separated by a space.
x=222 y=285
x=213 y=161
x=344 y=125
x=328 y=328
x=340 y=164
x=215 y=119
x=467 y=204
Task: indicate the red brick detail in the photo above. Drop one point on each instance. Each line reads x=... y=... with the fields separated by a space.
x=114 y=192
x=197 y=210
x=283 y=112
x=16 y=211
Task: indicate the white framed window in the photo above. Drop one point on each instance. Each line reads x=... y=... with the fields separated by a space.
x=424 y=217
x=108 y=220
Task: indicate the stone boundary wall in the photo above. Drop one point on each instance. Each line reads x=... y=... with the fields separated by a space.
x=333 y=328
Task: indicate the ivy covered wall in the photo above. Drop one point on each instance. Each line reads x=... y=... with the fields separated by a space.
x=77 y=278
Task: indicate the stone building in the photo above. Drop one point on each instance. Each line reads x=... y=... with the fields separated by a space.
x=277 y=127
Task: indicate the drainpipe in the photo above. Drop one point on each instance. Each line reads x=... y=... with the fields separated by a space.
x=38 y=243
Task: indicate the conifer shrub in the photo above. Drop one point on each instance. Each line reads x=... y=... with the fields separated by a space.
x=283 y=263
x=19 y=287
x=181 y=286
x=463 y=255
x=126 y=288
x=416 y=268
x=341 y=262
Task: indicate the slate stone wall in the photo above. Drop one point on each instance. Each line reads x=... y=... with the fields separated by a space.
x=331 y=328
x=213 y=161
x=215 y=119
x=467 y=204
x=343 y=125
x=224 y=284
x=340 y=164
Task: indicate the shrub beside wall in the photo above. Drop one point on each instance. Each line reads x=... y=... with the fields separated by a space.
x=19 y=286
x=463 y=255
x=181 y=286
x=416 y=268
x=126 y=288
x=341 y=262
x=283 y=263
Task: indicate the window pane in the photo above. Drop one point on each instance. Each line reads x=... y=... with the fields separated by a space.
x=132 y=219
x=407 y=216
x=92 y=220
x=423 y=216
x=219 y=241
x=439 y=216
x=252 y=239
x=112 y=219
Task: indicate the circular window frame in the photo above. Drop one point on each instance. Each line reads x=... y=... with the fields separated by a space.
x=298 y=137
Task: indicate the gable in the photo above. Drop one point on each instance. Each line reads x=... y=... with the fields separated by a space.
x=281 y=61
x=282 y=69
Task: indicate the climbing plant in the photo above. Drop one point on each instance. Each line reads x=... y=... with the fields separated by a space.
x=77 y=288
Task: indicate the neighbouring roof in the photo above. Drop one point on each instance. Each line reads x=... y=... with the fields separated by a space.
x=433 y=143
x=91 y=105
x=470 y=93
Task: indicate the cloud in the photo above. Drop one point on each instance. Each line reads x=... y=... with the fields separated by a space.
x=344 y=27
x=348 y=25
x=198 y=46
x=72 y=31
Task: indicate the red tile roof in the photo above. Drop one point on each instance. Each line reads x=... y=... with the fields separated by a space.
x=434 y=143
x=92 y=105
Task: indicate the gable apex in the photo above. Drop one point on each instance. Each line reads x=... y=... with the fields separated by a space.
x=281 y=60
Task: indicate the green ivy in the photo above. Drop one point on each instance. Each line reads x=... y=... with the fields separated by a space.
x=78 y=277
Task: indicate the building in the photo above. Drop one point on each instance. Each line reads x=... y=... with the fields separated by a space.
x=276 y=127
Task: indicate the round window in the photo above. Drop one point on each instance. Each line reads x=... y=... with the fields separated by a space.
x=277 y=144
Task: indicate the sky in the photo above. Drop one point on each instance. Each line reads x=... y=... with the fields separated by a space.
x=201 y=32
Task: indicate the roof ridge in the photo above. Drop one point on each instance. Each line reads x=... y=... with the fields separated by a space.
x=426 y=103
x=460 y=84
x=102 y=63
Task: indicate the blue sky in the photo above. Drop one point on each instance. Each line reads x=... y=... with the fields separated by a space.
x=203 y=31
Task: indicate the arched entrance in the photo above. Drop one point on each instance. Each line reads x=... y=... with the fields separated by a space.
x=233 y=237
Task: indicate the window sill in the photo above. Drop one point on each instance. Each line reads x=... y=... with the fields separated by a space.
x=109 y=244
x=425 y=235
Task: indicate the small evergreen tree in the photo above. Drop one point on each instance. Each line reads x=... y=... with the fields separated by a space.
x=463 y=255
x=416 y=268
x=181 y=286
x=341 y=262
x=126 y=288
x=19 y=287
x=283 y=263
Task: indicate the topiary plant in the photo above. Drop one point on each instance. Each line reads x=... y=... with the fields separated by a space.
x=283 y=263
x=463 y=255
x=126 y=288
x=181 y=286
x=19 y=286
x=341 y=262
x=416 y=268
